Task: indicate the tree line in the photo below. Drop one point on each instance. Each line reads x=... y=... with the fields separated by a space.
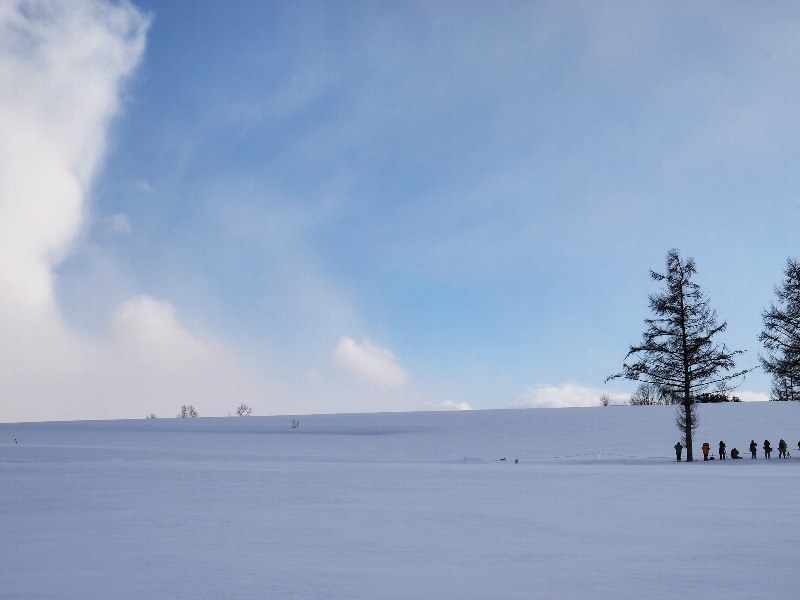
x=679 y=357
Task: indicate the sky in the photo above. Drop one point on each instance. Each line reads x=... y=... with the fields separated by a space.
x=320 y=207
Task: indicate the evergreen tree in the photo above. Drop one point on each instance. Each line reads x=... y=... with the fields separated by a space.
x=678 y=353
x=781 y=336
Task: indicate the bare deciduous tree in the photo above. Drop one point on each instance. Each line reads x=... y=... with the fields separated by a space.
x=648 y=394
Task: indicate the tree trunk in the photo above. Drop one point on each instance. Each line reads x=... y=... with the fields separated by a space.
x=687 y=391
x=687 y=408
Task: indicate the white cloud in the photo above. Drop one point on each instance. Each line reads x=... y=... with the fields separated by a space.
x=448 y=405
x=565 y=395
x=159 y=359
x=370 y=362
x=751 y=396
x=150 y=329
x=63 y=66
x=569 y=394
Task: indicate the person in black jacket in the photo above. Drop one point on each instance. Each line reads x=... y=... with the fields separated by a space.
x=782 y=448
x=721 y=450
x=735 y=454
x=678 y=448
x=767 y=449
x=753 y=448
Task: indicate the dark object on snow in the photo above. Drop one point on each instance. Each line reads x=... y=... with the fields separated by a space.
x=516 y=461
x=678 y=448
x=721 y=450
x=735 y=454
x=782 y=448
x=767 y=449
x=706 y=450
x=753 y=448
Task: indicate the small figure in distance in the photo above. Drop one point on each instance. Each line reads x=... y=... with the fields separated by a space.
x=753 y=448
x=735 y=454
x=767 y=449
x=678 y=449
x=721 y=450
x=706 y=450
x=782 y=449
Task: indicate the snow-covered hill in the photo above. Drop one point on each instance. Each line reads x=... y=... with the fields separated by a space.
x=405 y=505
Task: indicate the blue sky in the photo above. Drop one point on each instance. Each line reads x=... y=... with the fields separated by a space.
x=391 y=206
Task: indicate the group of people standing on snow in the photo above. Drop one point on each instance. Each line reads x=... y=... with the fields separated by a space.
x=735 y=455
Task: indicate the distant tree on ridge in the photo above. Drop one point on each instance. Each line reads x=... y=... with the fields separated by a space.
x=188 y=412
x=648 y=394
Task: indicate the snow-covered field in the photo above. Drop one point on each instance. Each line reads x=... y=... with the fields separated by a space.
x=408 y=505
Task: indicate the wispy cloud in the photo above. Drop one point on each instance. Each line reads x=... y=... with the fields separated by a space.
x=370 y=362
x=120 y=224
x=144 y=186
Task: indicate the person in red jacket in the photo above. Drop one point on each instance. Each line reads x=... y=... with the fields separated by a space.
x=706 y=450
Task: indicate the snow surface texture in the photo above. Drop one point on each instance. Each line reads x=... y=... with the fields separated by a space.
x=407 y=505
